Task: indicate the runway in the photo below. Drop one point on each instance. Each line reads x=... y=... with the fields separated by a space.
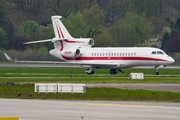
x=170 y=87
x=53 y=65
x=89 y=110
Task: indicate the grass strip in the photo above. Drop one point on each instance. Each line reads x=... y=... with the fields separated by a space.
x=115 y=94
x=77 y=75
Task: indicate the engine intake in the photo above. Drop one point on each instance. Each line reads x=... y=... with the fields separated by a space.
x=91 y=42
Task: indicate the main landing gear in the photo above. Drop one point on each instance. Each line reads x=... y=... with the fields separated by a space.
x=114 y=71
x=111 y=71
x=90 y=70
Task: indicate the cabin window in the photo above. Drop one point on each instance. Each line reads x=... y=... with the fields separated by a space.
x=117 y=54
x=111 y=54
x=97 y=54
x=153 y=52
x=160 y=52
x=114 y=54
x=131 y=54
x=100 y=54
x=134 y=54
x=94 y=54
x=106 y=54
x=128 y=54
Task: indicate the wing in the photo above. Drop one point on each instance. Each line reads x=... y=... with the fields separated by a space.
x=81 y=64
x=95 y=64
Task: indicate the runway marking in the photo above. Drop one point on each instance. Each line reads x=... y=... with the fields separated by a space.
x=9 y=118
x=123 y=105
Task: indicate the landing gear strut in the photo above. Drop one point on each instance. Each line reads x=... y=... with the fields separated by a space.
x=113 y=71
x=156 y=70
x=120 y=70
x=90 y=70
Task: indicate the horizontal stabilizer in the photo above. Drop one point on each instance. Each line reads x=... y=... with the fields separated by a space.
x=42 y=41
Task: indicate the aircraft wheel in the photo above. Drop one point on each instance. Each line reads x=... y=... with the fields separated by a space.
x=156 y=73
x=113 y=71
x=92 y=72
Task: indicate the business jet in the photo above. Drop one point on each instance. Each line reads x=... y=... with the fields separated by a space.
x=80 y=51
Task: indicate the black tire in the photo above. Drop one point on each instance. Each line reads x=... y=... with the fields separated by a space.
x=156 y=73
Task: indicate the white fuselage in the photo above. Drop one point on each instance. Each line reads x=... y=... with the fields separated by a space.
x=123 y=56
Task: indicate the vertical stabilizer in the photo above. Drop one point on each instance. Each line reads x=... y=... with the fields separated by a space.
x=59 y=29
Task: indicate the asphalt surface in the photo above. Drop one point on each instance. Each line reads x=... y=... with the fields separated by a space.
x=139 y=86
x=61 y=65
x=88 y=110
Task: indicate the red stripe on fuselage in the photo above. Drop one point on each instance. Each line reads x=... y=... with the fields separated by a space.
x=113 y=58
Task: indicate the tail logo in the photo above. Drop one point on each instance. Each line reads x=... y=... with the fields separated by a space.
x=59 y=31
x=60 y=34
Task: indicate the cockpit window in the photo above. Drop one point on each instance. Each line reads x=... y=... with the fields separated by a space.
x=153 y=52
x=160 y=52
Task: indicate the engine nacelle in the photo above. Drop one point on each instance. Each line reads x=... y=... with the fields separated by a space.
x=89 y=42
x=71 y=53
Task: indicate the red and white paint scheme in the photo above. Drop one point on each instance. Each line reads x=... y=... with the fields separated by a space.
x=79 y=51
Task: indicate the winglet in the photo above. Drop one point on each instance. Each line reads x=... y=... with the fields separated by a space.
x=7 y=57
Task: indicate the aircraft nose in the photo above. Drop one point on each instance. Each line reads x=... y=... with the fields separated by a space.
x=171 y=60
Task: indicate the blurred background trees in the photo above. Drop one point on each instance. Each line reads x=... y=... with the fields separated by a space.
x=118 y=23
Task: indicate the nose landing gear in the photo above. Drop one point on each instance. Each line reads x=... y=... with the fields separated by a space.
x=156 y=70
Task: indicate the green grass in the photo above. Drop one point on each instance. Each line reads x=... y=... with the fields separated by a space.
x=12 y=91
x=32 y=75
x=25 y=77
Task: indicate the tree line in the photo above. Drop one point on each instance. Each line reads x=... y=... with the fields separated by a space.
x=120 y=23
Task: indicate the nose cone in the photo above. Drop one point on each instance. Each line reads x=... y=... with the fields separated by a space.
x=171 y=60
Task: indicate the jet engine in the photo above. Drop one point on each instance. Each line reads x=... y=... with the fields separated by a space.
x=91 y=42
x=82 y=42
x=71 y=53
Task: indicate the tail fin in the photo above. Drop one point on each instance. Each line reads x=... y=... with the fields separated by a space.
x=59 y=29
x=60 y=32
